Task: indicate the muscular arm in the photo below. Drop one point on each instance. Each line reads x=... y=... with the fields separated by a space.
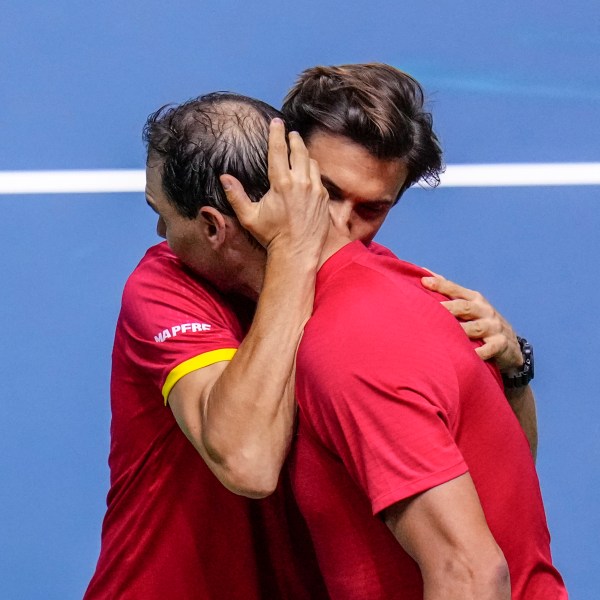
x=481 y=321
x=445 y=532
x=239 y=415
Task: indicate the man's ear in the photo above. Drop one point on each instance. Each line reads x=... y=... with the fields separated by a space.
x=213 y=225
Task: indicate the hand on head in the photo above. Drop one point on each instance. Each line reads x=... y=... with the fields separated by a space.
x=294 y=213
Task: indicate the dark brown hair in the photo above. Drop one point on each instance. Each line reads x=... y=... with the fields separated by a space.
x=374 y=105
x=203 y=138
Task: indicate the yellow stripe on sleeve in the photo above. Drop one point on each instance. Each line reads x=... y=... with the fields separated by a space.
x=193 y=364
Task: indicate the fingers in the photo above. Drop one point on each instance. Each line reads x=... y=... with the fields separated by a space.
x=465 y=304
x=479 y=329
x=493 y=347
x=449 y=288
x=281 y=165
x=500 y=342
x=237 y=197
x=293 y=214
x=469 y=310
x=277 y=157
x=299 y=160
x=480 y=321
x=502 y=350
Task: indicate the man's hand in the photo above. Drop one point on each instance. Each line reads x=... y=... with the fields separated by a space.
x=294 y=213
x=481 y=321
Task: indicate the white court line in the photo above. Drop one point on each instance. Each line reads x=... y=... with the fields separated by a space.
x=132 y=180
x=72 y=182
x=521 y=174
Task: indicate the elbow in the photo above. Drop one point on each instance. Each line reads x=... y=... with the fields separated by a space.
x=250 y=481
x=493 y=578
x=478 y=578
x=499 y=577
x=245 y=471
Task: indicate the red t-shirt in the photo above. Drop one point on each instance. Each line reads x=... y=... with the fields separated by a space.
x=394 y=401
x=171 y=529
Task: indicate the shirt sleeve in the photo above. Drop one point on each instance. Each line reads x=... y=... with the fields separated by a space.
x=380 y=392
x=172 y=324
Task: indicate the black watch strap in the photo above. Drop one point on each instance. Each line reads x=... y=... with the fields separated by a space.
x=522 y=377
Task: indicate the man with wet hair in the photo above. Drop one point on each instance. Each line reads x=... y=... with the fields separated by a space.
x=196 y=360
x=217 y=133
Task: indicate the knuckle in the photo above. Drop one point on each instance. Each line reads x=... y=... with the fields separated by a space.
x=304 y=183
x=282 y=183
x=478 y=328
x=495 y=342
x=495 y=325
x=478 y=298
x=466 y=308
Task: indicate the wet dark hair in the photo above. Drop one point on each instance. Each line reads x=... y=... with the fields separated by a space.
x=206 y=137
x=374 y=105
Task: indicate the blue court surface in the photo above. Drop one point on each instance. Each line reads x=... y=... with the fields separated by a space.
x=508 y=82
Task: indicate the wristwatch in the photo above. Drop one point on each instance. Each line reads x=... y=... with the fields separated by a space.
x=521 y=377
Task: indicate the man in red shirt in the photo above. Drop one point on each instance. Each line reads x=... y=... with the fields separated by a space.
x=179 y=339
x=344 y=113
x=398 y=418
x=172 y=530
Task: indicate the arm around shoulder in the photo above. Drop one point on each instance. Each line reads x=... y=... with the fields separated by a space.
x=480 y=320
x=246 y=452
x=239 y=415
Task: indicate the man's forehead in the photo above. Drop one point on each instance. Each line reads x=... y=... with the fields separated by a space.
x=154 y=161
x=350 y=170
x=154 y=169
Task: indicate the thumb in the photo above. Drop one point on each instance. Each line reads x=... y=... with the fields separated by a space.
x=237 y=197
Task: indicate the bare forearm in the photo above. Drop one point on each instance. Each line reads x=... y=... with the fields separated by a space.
x=249 y=415
x=522 y=401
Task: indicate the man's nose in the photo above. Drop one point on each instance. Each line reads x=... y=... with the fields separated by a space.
x=341 y=215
